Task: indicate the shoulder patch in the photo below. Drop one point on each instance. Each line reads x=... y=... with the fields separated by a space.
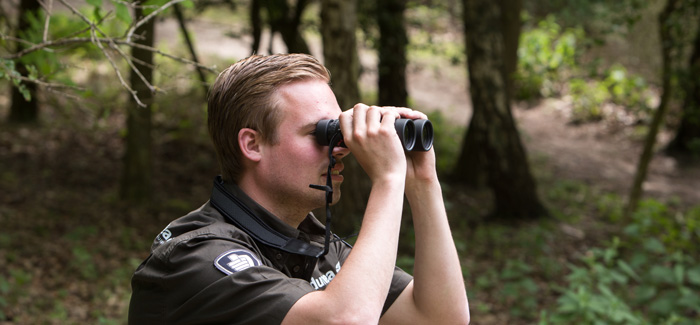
x=236 y=260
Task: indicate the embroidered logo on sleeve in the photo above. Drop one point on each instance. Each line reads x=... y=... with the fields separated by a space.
x=236 y=260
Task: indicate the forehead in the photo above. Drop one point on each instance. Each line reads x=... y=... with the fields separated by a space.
x=307 y=101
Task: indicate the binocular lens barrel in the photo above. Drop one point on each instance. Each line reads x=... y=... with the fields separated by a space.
x=415 y=135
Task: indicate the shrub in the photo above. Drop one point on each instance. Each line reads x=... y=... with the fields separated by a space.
x=545 y=56
x=649 y=276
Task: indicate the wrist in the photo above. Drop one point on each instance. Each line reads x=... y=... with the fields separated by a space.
x=422 y=183
x=420 y=188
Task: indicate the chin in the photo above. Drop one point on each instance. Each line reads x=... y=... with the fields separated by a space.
x=336 y=197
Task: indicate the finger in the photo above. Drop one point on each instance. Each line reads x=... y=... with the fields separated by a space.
x=373 y=117
x=389 y=118
x=408 y=113
x=359 y=119
x=346 y=122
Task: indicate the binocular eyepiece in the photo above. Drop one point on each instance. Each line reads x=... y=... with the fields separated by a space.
x=415 y=135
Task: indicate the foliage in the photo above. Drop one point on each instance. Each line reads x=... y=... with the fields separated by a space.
x=627 y=89
x=549 y=64
x=447 y=141
x=94 y=31
x=608 y=16
x=588 y=99
x=10 y=73
x=649 y=276
x=676 y=230
x=546 y=55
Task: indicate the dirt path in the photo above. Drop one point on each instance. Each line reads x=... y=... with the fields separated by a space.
x=597 y=155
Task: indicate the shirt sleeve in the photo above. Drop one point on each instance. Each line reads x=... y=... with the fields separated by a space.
x=398 y=283
x=185 y=286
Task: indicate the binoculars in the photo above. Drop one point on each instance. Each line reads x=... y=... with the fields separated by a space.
x=415 y=135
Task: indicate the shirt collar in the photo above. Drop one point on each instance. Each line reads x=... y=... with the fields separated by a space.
x=265 y=215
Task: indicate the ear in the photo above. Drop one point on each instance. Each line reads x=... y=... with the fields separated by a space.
x=249 y=141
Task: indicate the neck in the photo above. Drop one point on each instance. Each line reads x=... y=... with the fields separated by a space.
x=289 y=212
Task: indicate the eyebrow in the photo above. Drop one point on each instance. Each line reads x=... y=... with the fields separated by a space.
x=309 y=126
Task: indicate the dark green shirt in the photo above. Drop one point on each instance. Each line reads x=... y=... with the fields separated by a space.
x=203 y=269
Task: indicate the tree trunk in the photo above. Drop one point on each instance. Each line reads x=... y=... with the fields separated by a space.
x=22 y=110
x=287 y=22
x=512 y=24
x=492 y=140
x=256 y=25
x=136 y=182
x=687 y=139
x=338 y=22
x=392 y=53
x=647 y=153
x=188 y=41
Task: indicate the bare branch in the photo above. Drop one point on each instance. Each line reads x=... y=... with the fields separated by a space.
x=48 y=10
x=100 y=39
x=79 y=40
x=150 y=16
x=39 y=82
x=116 y=70
x=15 y=39
x=93 y=29
x=136 y=70
x=76 y=12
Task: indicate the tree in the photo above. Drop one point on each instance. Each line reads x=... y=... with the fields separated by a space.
x=136 y=179
x=512 y=24
x=656 y=122
x=687 y=138
x=25 y=107
x=282 y=19
x=255 y=25
x=339 y=21
x=392 y=53
x=89 y=32
x=492 y=145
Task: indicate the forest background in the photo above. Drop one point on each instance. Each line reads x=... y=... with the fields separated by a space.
x=567 y=135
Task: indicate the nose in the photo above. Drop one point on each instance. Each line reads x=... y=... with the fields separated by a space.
x=340 y=152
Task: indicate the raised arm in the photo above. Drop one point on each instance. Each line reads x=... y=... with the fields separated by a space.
x=357 y=293
x=437 y=294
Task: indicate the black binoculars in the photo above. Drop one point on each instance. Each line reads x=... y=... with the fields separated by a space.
x=415 y=135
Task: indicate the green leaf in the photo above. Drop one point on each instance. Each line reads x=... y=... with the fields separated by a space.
x=33 y=73
x=644 y=293
x=122 y=12
x=654 y=245
x=661 y=274
x=95 y=3
x=694 y=275
x=678 y=272
x=690 y=300
x=627 y=269
x=189 y=4
x=662 y=306
x=25 y=92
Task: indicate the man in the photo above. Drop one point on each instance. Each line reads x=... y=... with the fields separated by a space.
x=253 y=253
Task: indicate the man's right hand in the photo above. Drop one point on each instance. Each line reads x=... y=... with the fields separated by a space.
x=370 y=135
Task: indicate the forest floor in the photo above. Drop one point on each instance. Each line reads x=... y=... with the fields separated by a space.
x=68 y=246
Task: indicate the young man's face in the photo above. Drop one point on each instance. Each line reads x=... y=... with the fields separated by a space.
x=296 y=160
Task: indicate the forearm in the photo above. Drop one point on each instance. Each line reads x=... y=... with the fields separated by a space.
x=438 y=288
x=369 y=268
x=357 y=293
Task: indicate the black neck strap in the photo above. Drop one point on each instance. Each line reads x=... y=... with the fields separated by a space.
x=238 y=214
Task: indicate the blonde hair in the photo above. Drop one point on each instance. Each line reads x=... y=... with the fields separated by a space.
x=242 y=97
